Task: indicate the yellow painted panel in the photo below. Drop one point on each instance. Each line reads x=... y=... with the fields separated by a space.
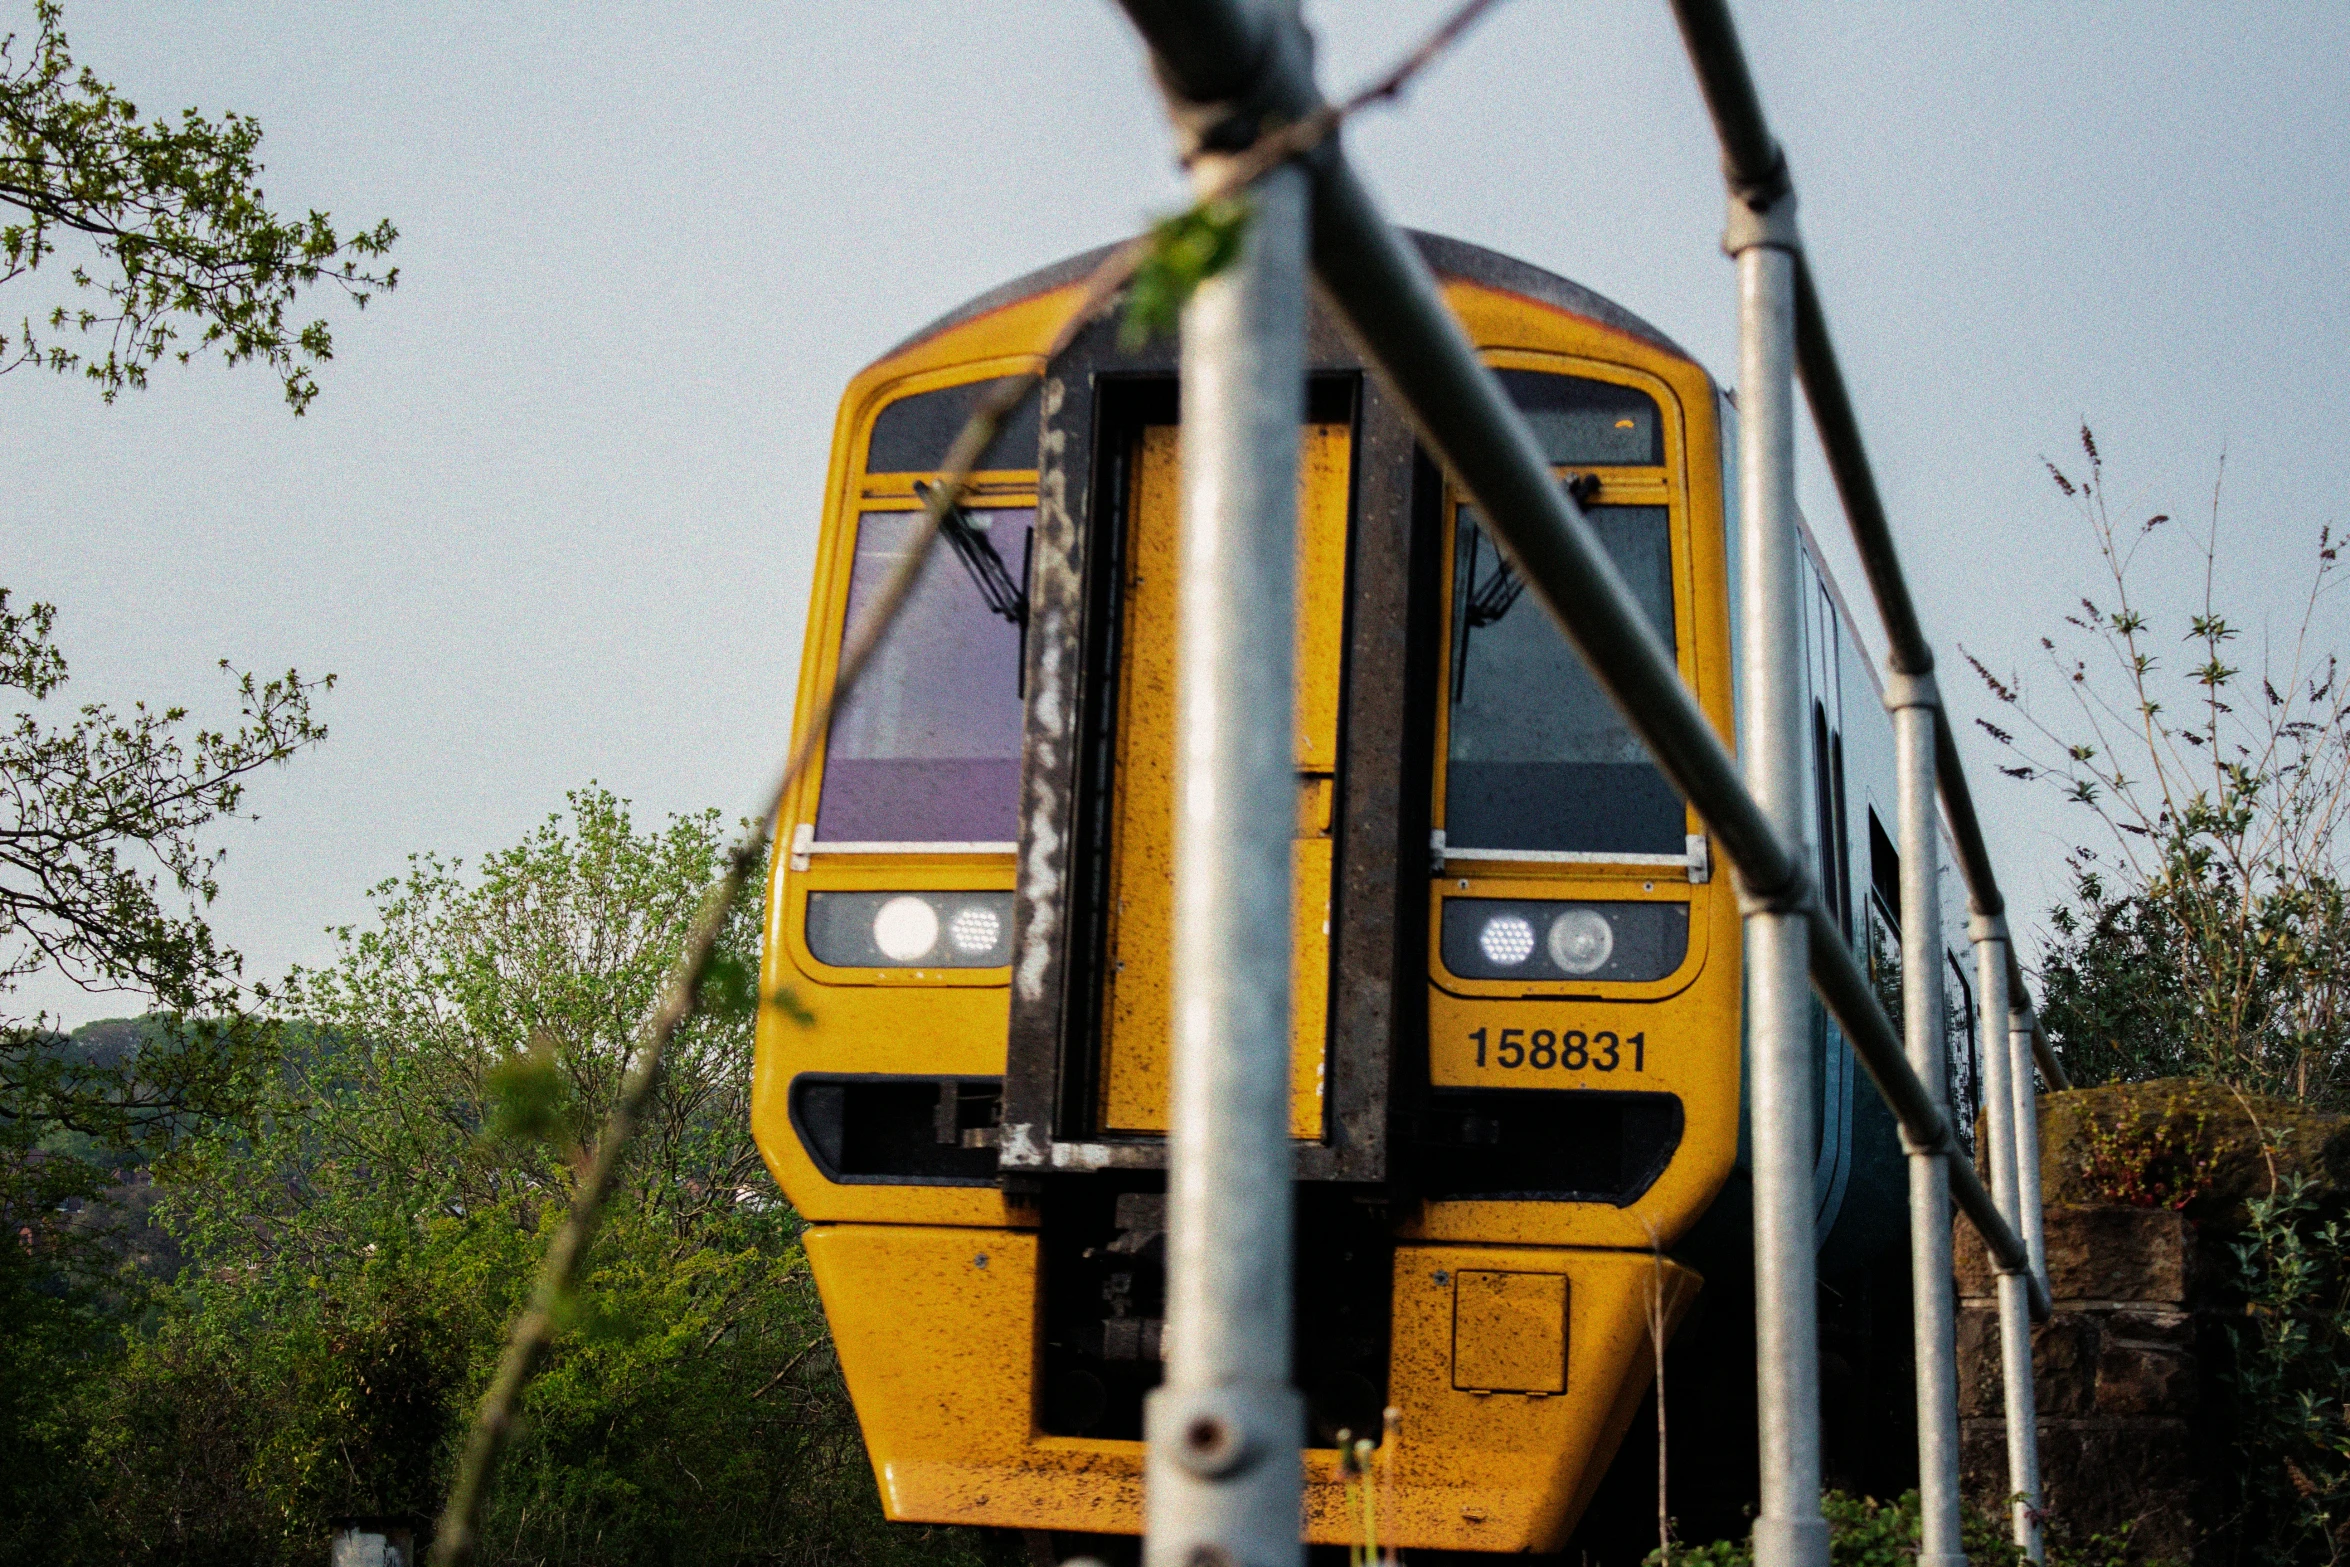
x=1509 y=1332
x=1309 y=982
x=1492 y=1471
x=937 y=1332
x=1136 y=1022
x=1325 y=462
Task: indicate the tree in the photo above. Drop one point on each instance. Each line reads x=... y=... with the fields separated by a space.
x=176 y=233
x=358 y=1247
x=2209 y=933
x=97 y=813
x=175 y=237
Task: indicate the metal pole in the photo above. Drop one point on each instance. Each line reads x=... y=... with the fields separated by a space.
x=2042 y=1052
x=2027 y=1134
x=1223 y=1473
x=2015 y=1326
x=1782 y=1081
x=1913 y=701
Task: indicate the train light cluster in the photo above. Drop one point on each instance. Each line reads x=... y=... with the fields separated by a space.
x=910 y=929
x=1538 y=939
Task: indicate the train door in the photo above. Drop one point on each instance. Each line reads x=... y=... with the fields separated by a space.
x=1139 y=923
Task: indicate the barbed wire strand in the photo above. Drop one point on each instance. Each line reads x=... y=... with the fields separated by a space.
x=458 y=1535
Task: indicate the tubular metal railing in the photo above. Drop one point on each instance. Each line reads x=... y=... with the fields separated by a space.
x=1751 y=163
x=1220 y=1492
x=1755 y=170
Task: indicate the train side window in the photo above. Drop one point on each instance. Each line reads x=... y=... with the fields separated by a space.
x=1885 y=869
x=927 y=749
x=1835 y=846
x=1537 y=757
x=1583 y=422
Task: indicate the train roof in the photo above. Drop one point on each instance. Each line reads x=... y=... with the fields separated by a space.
x=1446 y=257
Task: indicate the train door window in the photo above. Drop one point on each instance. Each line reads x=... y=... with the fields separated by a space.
x=1962 y=1049
x=927 y=748
x=1537 y=757
x=1136 y=1020
x=1883 y=906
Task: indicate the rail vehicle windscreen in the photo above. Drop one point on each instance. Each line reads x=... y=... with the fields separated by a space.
x=927 y=749
x=1579 y=421
x=912 y=434
x=1538 y=757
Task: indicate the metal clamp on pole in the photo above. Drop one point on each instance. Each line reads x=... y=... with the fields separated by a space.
x=1989 y=934
x=1914 y=702
x=1789 y=1531
x=1771 y=224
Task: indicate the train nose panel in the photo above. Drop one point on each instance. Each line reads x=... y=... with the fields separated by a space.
x=1515 y=1372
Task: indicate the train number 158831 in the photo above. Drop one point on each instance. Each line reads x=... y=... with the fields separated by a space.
x=1572 y=1050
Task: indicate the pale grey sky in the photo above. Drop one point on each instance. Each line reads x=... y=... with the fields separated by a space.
x=552 y=518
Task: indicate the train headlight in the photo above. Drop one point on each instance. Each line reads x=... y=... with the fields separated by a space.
x=905 y=928
x=1581 y=941
x=1507 y=940
x=1630 y=941
x=975 y=928
x=926 y=930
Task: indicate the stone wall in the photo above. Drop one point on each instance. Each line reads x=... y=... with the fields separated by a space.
x=2116 y=1374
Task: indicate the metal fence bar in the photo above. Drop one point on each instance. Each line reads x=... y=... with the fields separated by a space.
x=1755 y=169
x=1384 y=293
x=2020 y=1023
x=1753 y=162
x=1783 y=1085
x=1934 y=1308
x=2000 y=1094
x=1224 y=1473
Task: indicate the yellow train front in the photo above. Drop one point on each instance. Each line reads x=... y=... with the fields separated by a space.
x=1516 y=1052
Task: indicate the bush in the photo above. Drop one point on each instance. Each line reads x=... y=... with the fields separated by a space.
x=2209 y=932
x=358 y=1244
x=1864 y=1532
x=2292 y=1367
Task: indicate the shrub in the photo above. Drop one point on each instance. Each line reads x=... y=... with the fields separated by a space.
x=2165 y=1163
x=2292 y=1367
x=2208 y=933
x=1865 y=1532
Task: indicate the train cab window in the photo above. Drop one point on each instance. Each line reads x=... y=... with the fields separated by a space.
x=912 y=434
x=1537 y=757
x=1590 y=423
x=927 y=749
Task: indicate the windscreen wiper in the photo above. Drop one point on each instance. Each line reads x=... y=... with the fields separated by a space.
x=1491 y=599
x=978 y=554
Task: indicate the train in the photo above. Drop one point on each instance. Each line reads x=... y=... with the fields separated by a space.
x=1515 y=1073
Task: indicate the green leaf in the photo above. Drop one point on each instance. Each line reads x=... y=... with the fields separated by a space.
x=787 y=1001
x=1186 y=250
x=730 y=990
x=527 y=1095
